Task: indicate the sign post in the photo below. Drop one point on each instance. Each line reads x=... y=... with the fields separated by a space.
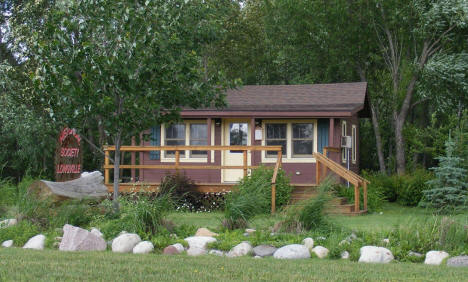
x=68 y=156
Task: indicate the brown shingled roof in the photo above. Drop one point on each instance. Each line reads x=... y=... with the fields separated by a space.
x=336 y=97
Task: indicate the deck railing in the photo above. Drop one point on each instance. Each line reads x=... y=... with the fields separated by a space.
x=176 y=164
x=353 y=178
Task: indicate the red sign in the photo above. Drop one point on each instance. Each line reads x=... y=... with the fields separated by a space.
x=68 y=155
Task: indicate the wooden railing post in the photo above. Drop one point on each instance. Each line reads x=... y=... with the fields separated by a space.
x=106 y=163
x=245 y=162
x=364 y=185
x=356 y=197
x=273 y=181
x=133 y=160
x=177 y=159
x=317 y=172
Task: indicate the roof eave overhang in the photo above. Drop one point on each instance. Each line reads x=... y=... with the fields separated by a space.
x=265 y=114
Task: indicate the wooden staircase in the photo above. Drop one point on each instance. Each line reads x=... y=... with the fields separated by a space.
x=337 y=205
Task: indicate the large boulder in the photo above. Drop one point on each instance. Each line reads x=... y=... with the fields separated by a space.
x=7 y=244
x=373 y=254
x=308 y=242
x=78 y=239
x=197 y=244
x=240 y=250
x=205 y=232
x=8 y=222
x=125 y=243
x=320 y=252
x=264 y=250
x=97 y=232
x=144 y=247
x=458 y=261
x=294 y=251
x=170 y=250
x=216 y=253
x=36 y=243
x=87 y=186
x=435 y=257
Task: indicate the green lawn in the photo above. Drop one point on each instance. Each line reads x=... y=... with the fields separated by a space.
x=49 y=265
x=393 y=214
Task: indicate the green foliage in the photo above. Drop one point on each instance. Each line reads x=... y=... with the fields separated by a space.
x=254 y=197
x=449 y=189
x=406 y=189
x=178 y=185
x=375 y=198
x=312 y=216
x=430 y=234
x=260 y=180
x=19 y=233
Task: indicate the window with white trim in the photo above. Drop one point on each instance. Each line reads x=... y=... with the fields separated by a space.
x=175 y=136
x=344 y=156
x=276 y=135
x=184 y=134
x=353 y=136
x=198 y=136
x=298 y=139
x=302 y=139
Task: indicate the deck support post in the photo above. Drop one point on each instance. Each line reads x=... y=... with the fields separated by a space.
x=177 y=159
x=244 y=153
x=133 y=160
x=356 y=197
x=364 y=185
x=106 y=163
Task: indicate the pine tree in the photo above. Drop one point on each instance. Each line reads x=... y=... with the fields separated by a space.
x=448 y=191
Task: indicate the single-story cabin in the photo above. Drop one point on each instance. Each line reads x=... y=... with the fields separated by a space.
x=302 y=119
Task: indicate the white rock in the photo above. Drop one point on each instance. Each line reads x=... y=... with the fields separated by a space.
x=179 y=247
x=7 y=244
x=372 y=254
x=94 y=173
x=345 y=255
x=97 y=232
x=386 y=241
x=79 y=239
x=205 y=232
x=240 y=250
x=8 y=222
x=320 y=251
x=194 y=251
x=294 y=251
x=321 y=238
x=250 y=230
x=308 y=242
x=36 y=243
x=125 y=243
x=216 y=253
x=344 y=242
x=144 y=247
x=197 y=244
x=257 y=257
x=435 y=257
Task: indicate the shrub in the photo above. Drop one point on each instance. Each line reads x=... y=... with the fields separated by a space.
x=383 y=184
x=19 y=233
x=410 y=190
x=179 y=186
x=449 y=191
x=375 y=198
x=260 y=181
x=242 y=206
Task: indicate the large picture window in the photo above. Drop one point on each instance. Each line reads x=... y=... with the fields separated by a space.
x=198 y=136
x=175 y=136
x=276 y=134
x=302 y=139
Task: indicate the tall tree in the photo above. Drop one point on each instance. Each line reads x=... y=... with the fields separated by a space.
x=410 y=34
x=132 y=63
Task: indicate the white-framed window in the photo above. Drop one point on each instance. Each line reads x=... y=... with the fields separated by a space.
x=353 y=138
x=187 y=133
x=276 y=134
x=297 y=137
x=344 y=153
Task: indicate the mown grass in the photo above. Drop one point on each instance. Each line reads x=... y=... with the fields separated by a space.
x=48 y=265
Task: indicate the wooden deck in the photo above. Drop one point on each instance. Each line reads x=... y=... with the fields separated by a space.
x=300 y=193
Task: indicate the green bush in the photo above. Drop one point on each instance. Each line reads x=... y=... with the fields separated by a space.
x=410 y=190
x=375 y=197
x=19 y=233
x=242 y=206
x=260 y=181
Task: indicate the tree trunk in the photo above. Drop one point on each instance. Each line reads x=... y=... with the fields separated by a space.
x=378 y=140
x=117 y=142
x=400 y=147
